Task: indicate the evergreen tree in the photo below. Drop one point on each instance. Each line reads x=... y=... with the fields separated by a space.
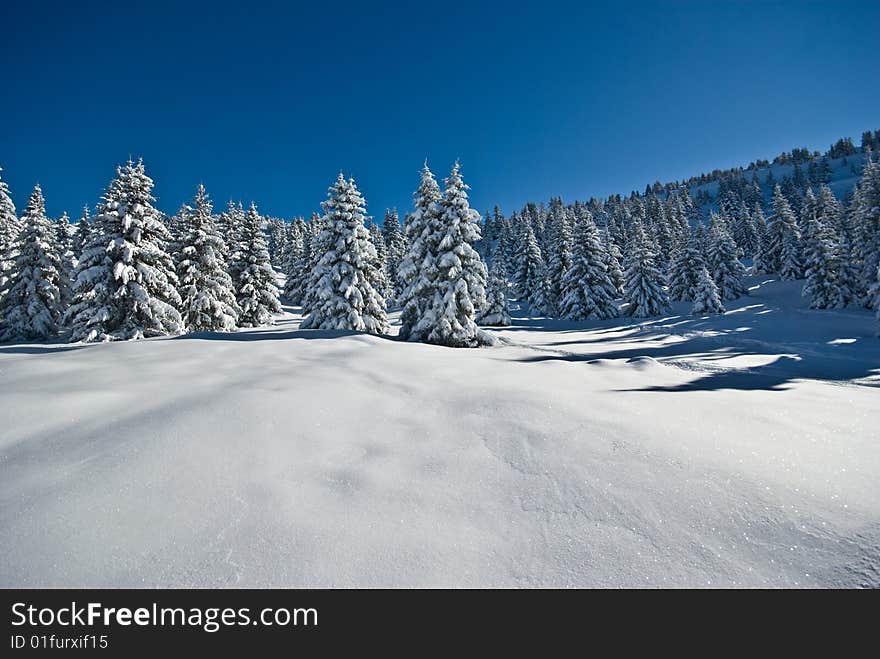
x=296 y=270
x=395 y=244
x=781 y=249
x=63 y=248
x=208 y=296
x=130 y=290
x=539 y=299
x=822 y=265
x=256 y=290
x=866 y=227
x=234 y=220
x=344 y=282
x=645 y=284
x=459 y=285
x=706 y=298
x=81 y=234
x=529 y=266
x=418 y=268
x=32 y=307
x=684 y=270
x=496 y=312
x=382 y=280
x=848 y=274
x=588 y=289
x=559 y=257
x=726 y=269
x=792 y=263
x=10 y=227
x=613 y=256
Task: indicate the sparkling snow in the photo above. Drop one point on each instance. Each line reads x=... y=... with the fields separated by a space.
x=734 y=450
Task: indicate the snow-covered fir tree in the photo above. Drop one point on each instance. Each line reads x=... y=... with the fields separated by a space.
x=684 y=269
x=32 y=307
x=418 y=268
x=276 y=244
x=529 y=265
x=233 y=222
x=781 y=245
x=395 y=244
x=822 y=264
x=496 y=313
x=559 y=254
x=296 y=267
x=125 y=286
x=256 y=291
x=588 y=291
x=645 y=288
x=382 y=280
x=343 y=285
x=10 y=227
x=81 y=234
x=206 y=289
x=613 y=257
x=791 y=266
x=706 y=297
x=63 y=247
x=459 y=286
x=721 y=259
x=865 y=219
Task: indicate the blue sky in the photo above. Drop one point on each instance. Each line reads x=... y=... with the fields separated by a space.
x=268 y=101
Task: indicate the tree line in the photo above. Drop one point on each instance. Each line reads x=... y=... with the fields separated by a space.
x=129 y=272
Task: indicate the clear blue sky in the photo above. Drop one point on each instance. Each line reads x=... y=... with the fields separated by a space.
x=268 y=101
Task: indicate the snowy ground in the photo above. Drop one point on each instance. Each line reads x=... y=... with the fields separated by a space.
x=733 y=451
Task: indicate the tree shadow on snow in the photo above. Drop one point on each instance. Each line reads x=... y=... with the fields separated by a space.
x=829 y=346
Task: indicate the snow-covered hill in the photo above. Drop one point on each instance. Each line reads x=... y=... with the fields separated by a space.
x=738 y=450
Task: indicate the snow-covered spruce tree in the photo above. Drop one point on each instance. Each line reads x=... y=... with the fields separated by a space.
x=459 y=285
x=296 y=248
x=684 y=270
x=256 y=292
x=706 y=298
x=529 y=265
x=234 y=219
x=32 y=307
x=10 y=227
x=382 y=280
x=791 y=266
x=613 y=257
x=206 y=289
x=726 y=269
x=865 y=219
x=588 y=291
x=496 y=312
x=418 y=268
x=63 y=247
x=343 y=285
x=178 y=227
x=782 y=230
x=539 y=299
x=559 y=255
x=645 y=289
x=81 y=234
x=759 y=264
x=395 y=243
x=132 y=293
x=276 y=232
x=822 y=264
x=874 y=293
x=848 y=273
x=318 y=247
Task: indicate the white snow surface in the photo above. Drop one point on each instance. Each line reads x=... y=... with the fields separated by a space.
x=734 y=450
